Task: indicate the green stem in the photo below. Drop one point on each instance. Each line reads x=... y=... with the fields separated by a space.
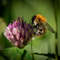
x=56 y=34
x=32 y=51
x=49 y=55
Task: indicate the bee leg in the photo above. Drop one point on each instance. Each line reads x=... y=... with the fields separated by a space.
x=33 y=34
x=33 y=27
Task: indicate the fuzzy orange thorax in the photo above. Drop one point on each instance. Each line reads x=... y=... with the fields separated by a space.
x=42 y=18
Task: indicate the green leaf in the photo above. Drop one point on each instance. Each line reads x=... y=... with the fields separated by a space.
x=27 y=55
x=11 y=53
x=20 y=51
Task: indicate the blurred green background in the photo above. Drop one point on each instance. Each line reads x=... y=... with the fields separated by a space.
x=11 y=9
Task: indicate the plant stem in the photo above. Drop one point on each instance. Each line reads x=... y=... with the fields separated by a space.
x=56 y=33
x=32 y=50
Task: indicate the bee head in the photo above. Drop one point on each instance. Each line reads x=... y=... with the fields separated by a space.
x=33 y=18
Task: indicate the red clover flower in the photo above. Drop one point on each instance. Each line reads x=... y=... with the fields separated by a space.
x=17 y=33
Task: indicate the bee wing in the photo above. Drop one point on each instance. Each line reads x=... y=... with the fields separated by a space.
x=49 y=27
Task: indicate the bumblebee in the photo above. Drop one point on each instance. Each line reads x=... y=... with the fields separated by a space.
x=40 y=25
